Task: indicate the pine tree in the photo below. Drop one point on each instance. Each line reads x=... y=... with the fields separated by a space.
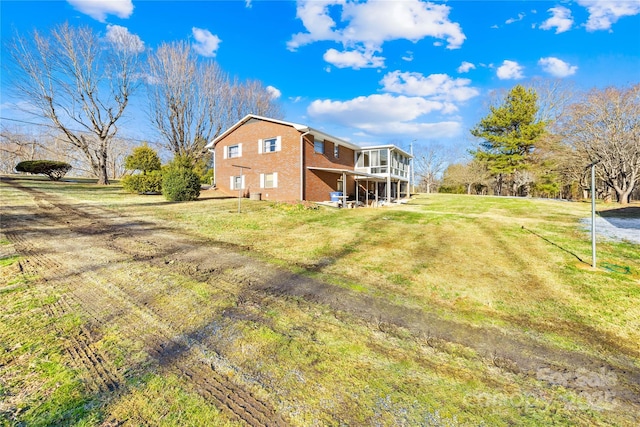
x=509 y=134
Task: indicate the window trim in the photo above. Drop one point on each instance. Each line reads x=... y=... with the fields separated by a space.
x=262 y=147
x=263 y=180
x=226 y=153
x=233 y=182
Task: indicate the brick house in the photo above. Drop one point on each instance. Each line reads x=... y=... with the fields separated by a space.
x=289 y=161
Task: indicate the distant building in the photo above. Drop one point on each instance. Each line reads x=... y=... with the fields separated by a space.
x=288 y=161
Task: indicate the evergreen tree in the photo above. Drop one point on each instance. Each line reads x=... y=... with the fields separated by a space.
x=144 y=159
x=509 y=134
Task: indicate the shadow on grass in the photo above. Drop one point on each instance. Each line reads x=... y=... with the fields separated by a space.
x=626 y=212
x=556 y=245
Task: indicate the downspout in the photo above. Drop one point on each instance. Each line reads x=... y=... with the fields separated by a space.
x=214 y=164
x=301 y=164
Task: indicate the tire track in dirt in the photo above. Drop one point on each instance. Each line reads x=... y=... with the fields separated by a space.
x=102 y=303
x=101 y=375
x=174 y=352
x=162 y=248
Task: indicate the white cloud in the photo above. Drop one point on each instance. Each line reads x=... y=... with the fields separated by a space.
x=603 y=14
x=366 y=26
x=439 y=87
x=373 y=108
x=385 y=114
x=561 y=20
x=274 y=92
x=465 y=67
x=206 y=43
x=437 y=130
x=315 y=18
x=99 y=9
x=123 y=39
x=512 y=20
x=510 y=70
x=355 y=59
x=557 y=67
x=408 y=57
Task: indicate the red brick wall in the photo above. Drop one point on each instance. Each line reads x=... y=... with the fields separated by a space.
x=318 y=184
x=285 y=162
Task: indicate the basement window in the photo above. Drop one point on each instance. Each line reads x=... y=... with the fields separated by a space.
x=237 y=182
x=269 y=180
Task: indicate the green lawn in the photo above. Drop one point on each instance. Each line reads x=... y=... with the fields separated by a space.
x=519 y=266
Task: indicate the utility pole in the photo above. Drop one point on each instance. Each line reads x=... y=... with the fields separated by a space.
x=413 y=176
x=242 y=168
x=593 y=212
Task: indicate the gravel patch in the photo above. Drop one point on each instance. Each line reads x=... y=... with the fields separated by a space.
x=616 y=228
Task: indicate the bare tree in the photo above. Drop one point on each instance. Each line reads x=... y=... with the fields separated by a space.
x=188 y=102
x=118 y=151
x=554 y=96
x=251 y=97
x=75 y=78
x=191 y=100
x=470 y=174
x=429 y=163
x=604 y=127
x=16 y=147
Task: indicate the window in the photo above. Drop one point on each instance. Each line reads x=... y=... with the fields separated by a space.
x=383 y=157
x=232 y=151
x=237 y=182
x=363 y=159
x=336 y=151
x=375 y=158
x=269 y=180
x=269 y=145
x=318 y=146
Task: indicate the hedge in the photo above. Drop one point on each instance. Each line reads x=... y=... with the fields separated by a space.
x=53 y=169
x=180 y=184
x=143 y=184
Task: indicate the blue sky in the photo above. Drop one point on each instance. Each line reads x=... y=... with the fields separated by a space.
x=376 y=71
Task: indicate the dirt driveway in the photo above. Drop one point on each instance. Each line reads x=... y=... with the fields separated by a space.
x=67 y=244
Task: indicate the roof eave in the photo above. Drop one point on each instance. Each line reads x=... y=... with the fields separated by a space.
x=213 y=142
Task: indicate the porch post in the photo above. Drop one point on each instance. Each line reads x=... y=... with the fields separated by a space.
x=377 y=185
x=366 y=197
x=344 y=189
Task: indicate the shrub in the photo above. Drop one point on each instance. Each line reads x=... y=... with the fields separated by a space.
x=143 y=159
x=180 y=184
x=207 y=177
x=142 y=184
x=54 y=170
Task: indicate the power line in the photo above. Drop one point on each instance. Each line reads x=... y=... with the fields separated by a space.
x=73 y=130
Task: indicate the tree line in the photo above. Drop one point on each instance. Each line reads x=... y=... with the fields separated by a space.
x=82 y=83
x=540 y=141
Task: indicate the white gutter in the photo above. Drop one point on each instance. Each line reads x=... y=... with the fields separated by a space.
x=215 y=169
x=301 y=164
